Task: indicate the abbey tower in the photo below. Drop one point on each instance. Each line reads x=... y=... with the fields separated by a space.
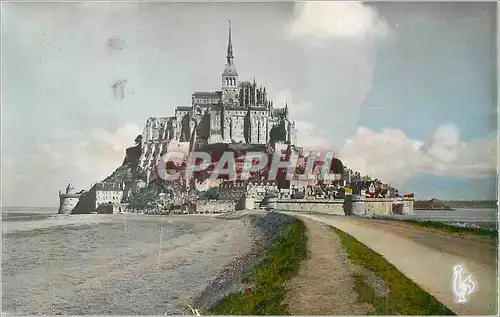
x=239 y=112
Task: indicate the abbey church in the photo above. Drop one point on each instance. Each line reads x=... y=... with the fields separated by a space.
x=239 y=112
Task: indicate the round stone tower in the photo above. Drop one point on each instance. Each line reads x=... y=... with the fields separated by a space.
x=68 y=200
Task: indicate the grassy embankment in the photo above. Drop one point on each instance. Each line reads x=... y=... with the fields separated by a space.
x=281 y=262
x=453 y=229
x=405 y=297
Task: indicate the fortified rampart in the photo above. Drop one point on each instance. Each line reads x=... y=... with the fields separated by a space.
x=328 y=206
x=379 y=206
x=361 y=207
x=68 y=200
x=387 y=206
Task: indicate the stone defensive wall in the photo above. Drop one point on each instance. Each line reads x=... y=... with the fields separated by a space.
x=327 y=206
x=366 y=207
x=215 y=206
x=67 y=202
x=382 y=206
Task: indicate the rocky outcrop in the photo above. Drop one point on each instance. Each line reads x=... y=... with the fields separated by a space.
x=86 y=203
x=133 y=155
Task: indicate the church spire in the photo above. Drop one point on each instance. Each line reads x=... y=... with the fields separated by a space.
x=230 y=75
x=230 y=48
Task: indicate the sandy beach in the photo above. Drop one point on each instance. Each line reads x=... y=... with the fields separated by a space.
x=118 y=264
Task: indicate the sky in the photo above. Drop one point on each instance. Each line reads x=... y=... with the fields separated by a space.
x=404 y=92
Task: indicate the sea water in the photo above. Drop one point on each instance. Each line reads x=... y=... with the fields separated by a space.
x=482 y=217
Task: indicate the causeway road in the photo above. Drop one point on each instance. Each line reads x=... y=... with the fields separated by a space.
x=428 y=256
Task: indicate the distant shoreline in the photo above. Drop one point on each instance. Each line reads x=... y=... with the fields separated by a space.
x=436 y=209
x=437 y=204
x=8 y=217
x=21 y=208
x=454 y=208
x=470 y=204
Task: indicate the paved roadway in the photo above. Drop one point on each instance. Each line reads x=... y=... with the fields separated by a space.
x=429 y=266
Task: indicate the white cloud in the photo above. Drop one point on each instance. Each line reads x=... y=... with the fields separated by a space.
x=392 y=157
x=343 y=20
x=308 y=135
x=296 y=108
x=445 y=143
x=82 y=158
x=339 y=40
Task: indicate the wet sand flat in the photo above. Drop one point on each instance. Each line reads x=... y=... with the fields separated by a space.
x=115 y=264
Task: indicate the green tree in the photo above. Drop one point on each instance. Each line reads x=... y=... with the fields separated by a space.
x=209 y=194
x=144 y=196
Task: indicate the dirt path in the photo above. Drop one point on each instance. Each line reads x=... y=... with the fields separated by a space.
x=324 y=285
x=428 y=258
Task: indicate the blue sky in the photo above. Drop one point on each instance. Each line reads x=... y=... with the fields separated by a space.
x=449 y=72
x=405 y=92
x=437 y=186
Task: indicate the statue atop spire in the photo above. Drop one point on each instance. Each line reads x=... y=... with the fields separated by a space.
x=230 y=48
